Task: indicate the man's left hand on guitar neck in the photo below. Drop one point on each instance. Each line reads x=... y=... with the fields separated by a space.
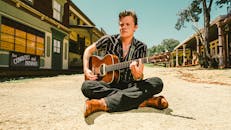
x=137 y=69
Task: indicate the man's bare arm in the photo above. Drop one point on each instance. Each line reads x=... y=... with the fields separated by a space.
x=87 y=53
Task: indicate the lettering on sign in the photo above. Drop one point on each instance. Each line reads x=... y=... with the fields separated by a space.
x=24 y=60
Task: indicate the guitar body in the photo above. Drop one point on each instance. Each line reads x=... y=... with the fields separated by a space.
x=97 y=66
x=107 y=68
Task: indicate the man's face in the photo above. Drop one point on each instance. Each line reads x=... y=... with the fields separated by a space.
x=127 y=27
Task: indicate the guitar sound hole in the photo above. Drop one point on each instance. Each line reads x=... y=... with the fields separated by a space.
x=102 y=70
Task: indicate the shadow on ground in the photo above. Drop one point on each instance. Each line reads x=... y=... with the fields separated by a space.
x=90 y=119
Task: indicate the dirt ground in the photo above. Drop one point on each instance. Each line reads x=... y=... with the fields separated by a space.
x=198 y=99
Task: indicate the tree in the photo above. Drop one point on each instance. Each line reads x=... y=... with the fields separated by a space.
x=165 y=45
x=191 y=14
x=152 y=50
x=169 y=44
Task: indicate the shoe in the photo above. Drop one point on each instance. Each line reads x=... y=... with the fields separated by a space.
x=94 y=105
x=157 y=102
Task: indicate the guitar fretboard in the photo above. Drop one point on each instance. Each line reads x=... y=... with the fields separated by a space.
x=126 y=64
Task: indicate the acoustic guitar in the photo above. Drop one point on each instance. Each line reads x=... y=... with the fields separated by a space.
x=107 y=67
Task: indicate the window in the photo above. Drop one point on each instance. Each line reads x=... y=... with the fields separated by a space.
x=13 y=39
x=39 y=45
x=20 y=41
x=56 y=10
x=56 y=46
x=78 y=21
x=7 y=38
x=31 y=40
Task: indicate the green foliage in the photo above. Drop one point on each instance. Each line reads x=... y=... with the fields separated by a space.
x=165 y=45
x=220 y=3
x=189 y=14
x=192 y=12
x=169 y=44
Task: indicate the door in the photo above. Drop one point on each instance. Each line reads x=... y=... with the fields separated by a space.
x=57 y=54
x=81 y=43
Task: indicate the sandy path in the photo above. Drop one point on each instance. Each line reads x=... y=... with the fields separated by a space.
x=57 y=103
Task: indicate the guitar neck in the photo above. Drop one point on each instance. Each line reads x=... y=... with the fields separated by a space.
x=126 y=64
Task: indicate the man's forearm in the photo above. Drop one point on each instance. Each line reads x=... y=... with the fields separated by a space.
x=86 y=57
x=87 y=53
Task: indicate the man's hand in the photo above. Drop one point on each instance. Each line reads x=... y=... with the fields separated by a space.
x=137 y=69
x=90 y=75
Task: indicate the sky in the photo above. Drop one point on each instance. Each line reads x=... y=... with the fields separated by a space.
x=156 y=18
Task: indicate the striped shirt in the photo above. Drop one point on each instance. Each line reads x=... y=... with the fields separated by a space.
x=113 y=45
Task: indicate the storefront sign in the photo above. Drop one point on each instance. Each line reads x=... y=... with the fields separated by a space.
x=23 y=60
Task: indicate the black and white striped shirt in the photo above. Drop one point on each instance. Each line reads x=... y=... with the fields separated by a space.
x=113 y=45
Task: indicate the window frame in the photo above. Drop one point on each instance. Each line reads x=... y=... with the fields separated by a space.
x=57 y=10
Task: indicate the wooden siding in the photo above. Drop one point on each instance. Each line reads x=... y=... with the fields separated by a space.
x=44 y=6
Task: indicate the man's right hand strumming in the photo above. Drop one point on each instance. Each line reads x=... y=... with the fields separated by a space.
x=90 y=75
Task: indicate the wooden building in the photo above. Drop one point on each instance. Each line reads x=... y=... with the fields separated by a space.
x=43 y=34
x=187 y=52
x=83 y=33
x=33 y=34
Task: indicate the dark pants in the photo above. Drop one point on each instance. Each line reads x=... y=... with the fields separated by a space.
x=122 y=96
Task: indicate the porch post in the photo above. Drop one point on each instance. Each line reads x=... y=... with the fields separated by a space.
x=177 y=64
x=220 y=46
x=198 y=44
x=172 y=60
x=184 y=55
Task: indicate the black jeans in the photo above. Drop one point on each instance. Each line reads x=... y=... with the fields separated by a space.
x=122 y=96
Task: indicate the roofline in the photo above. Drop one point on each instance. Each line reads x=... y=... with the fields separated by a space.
x=81 y=26
x=76 y=8
x=185 y=41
